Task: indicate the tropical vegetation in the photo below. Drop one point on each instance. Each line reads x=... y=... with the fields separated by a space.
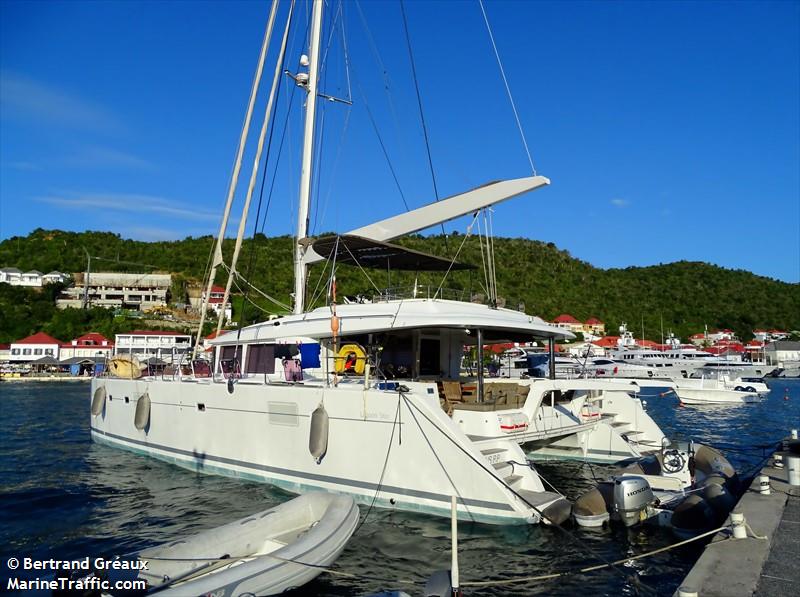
x=540 y=278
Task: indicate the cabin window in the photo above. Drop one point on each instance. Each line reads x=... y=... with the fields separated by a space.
x=261 y=358
x=230 y=352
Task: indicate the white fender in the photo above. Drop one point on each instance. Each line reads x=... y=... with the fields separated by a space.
x=318 y=436
x=142 y=416
x=98 y=400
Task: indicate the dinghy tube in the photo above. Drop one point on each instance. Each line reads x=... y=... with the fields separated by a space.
x=689 y=511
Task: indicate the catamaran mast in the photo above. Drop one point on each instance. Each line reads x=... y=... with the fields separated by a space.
x=218 y=259
x=308 y=152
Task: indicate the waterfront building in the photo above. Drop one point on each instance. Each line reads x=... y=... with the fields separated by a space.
x=5 y=353
x=783 y=353
x=89 y=345
x=35 y=347
x=116 y=290
x=146 y=344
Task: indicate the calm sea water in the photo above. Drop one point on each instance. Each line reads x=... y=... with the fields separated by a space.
x=62 y=496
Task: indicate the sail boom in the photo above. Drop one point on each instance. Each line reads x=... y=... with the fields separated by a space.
x=442 y=211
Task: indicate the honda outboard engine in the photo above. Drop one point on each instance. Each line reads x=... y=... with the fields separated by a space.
x=632 y=496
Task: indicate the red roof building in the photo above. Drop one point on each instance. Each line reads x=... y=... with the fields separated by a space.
x=34 y=347
x=90 y=339
x=594 y=326
x=565 y=318
x=38 y=338
x=607 y=342
x=89 y=345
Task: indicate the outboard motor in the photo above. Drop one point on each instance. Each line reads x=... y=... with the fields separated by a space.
x=632 y=496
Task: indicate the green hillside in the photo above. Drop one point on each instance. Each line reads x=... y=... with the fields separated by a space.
x=684 y=295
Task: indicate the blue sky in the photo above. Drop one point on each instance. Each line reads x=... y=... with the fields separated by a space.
x=670 y=130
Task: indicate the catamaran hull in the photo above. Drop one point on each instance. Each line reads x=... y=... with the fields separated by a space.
x=396 y=450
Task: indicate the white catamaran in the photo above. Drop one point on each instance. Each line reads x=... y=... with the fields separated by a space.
x=349 y=398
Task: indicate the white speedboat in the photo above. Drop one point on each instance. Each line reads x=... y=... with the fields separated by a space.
x=714 y=391
x=726 y=382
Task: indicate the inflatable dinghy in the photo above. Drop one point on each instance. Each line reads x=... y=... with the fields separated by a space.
x=690 y=488
x=266 y=553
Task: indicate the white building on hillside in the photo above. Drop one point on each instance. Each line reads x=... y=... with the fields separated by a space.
x=112 y=290
x=55 y=277
x=34 y=348
x=10 y=275
x=196 y=296
x=33 y=278
x=144 y=344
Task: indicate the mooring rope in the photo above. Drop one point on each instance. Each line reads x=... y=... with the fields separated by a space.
x=571 y=536
x=490 y=583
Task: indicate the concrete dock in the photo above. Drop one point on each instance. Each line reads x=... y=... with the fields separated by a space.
x=767 y=566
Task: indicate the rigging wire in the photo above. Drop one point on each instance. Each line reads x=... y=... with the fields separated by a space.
x=250 y=285
x=383 y=470
x=490 y=232
x=387 y=83
x=485 y=284
x=508 y=89
x=363 y=271
x=318 y=189
x=458 y=252
x=318 y=292
x=421 y=113
x=340 y=145
x=381 y=143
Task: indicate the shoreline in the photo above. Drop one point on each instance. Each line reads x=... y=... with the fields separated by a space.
x=45 y=378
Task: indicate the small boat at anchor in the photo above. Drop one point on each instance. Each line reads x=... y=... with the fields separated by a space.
x=716 y=391
x=266 y=553
x=687 y=487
